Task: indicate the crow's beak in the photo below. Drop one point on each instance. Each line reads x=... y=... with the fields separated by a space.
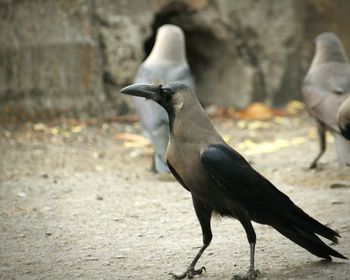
x=147 y=91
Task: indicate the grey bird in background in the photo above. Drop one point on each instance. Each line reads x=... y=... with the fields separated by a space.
x=166 y=63
x=220 y=180
x=325 y=87
x=343 y=118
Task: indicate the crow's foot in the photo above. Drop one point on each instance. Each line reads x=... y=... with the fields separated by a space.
x=189 y=273
x=251 y=275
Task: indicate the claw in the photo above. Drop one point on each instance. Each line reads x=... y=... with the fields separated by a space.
x=251 y=275
x=189 y=273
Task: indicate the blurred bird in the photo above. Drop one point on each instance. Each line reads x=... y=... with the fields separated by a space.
x=166 y=63
x=221 y=180
x=325 y=87
x=343 y=117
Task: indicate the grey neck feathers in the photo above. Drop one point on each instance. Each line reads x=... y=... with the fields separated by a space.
x=191 y=123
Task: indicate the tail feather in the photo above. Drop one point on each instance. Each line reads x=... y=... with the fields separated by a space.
x=304 y=221
x=310 y=242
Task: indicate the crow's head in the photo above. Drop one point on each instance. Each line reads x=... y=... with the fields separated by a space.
x=170 y=96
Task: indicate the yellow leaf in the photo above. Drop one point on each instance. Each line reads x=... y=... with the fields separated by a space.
x=241 y=124
x=39 y=127
x=130 y=137
x=77 y=129
x=258 y=125
x=55 y=130
x=66 y=134
x=279 y=120
x=129 y=145
x=295 y=106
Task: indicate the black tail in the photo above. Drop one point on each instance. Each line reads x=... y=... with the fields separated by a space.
x=302 y=230
x=310 y=242
x=304 y=221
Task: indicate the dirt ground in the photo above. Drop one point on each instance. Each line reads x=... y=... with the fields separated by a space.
x=76 y=203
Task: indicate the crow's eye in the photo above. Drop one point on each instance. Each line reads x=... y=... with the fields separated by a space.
x=166 y=91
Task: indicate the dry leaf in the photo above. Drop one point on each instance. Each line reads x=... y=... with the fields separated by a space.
x=258 y=125
x=256 y=111
x=251 y=148
x=55 y=130
x=294 y=107
x=259 y=111
x=39 y=127
x=77 y=129
x=130 y=137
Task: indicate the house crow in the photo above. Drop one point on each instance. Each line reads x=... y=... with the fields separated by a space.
x=221 y=180
x=326 y=86
x=343 y=117
x=166 y=63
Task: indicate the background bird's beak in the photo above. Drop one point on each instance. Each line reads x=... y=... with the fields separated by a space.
x=147 y=91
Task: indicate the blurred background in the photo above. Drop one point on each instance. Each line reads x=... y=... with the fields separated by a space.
x=70 y=58
x=78 y=199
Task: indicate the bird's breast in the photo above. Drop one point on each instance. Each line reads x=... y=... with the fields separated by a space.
x=186 y=161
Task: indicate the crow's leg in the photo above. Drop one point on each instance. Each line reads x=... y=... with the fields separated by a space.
x=246 y=223
x=204 y=215
x=321 y=132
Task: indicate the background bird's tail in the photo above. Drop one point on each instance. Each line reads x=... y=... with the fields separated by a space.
x=160 y=138
x=159 y=165
x=343 y=149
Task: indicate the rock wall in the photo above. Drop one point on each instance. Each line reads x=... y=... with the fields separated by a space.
x=71 y=57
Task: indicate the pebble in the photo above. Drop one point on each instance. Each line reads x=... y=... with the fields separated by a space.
x=337 y=202
x=339 y=186
x=21 y=194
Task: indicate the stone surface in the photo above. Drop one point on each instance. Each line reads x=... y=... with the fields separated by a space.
x=50 y=60
x=71 y=58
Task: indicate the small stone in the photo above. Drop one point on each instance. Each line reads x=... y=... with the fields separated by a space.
x=135 y=153
x=99 y=197
x=48 y=233
x=21 y=194
x=98 y=168
x=337 y=202
x=339 y=186
x=45 y=176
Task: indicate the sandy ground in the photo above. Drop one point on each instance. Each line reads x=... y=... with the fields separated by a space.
x=75 y=203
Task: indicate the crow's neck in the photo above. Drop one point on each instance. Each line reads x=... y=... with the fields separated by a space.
x=191 y=124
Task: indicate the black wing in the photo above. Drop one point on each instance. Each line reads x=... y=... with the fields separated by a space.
x=233 y=173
